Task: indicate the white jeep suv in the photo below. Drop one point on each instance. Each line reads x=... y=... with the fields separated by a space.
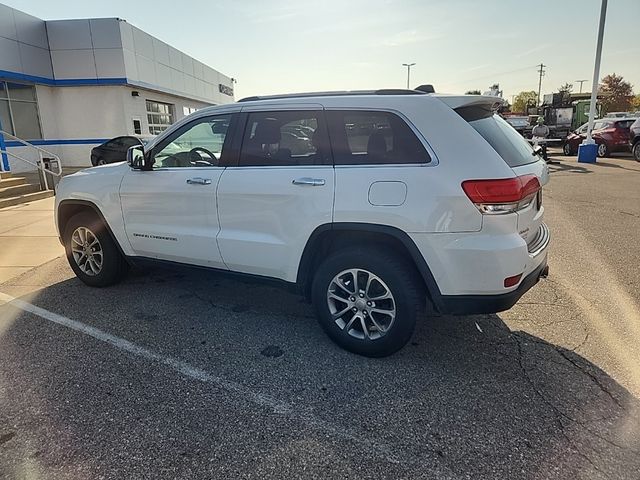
x=368 y=203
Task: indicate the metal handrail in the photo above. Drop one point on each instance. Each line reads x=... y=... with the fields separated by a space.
x=38 y=165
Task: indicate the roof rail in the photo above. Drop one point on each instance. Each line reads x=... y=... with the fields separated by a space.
x=339 y=93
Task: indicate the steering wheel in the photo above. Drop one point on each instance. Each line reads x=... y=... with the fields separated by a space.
x=199 y=159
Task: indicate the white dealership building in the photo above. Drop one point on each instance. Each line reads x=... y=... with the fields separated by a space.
x=68 y=85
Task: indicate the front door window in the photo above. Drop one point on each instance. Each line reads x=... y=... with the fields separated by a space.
x=198 y=144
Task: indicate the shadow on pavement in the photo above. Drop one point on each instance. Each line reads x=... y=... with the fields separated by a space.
x=561 y=166
x=467 y=395
x=615 y=165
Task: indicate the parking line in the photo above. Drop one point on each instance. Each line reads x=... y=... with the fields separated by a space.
x=198 y=374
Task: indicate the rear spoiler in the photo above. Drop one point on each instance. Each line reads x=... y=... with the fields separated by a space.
x=485 y=102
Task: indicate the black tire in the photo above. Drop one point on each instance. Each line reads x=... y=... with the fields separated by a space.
x=114 y=266
x=636 y=151
x=567 y=150
x=402 y=281
x=603 y=150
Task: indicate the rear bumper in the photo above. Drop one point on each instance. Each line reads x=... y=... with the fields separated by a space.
x=477 y=304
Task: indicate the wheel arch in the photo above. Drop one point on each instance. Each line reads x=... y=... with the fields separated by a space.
x=69 y=208
x=328 y=237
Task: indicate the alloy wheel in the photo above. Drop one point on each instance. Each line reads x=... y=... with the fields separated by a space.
x=602 y=150
x=87 y=251
x=361 y=304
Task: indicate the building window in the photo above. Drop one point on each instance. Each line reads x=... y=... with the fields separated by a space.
x=189 y=110
x=19 y=110
x=159 y=116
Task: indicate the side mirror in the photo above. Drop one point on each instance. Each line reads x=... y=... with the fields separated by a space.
x=135 y=157
x=219 y=128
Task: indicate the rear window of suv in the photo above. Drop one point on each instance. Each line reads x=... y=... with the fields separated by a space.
x=508 y=143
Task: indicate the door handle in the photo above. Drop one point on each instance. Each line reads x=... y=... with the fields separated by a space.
x=199 y=181
x=314 y=182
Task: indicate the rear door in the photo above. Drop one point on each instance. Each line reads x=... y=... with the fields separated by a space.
x=278 y=193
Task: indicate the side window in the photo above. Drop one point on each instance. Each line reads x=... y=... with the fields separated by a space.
x=285 y=138
x=114 y=143
x=373 y=138
x=128 y=142
x=197 y=144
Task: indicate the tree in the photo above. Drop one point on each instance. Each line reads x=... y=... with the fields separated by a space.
x=617 y=94
x=567 y=87
x=522 y=100
x=473 y=92
x=635 y=103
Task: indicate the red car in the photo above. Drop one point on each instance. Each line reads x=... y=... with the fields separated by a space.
x=611 y=135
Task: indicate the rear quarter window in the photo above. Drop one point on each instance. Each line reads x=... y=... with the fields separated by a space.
x=507 y=143
x=624 y=124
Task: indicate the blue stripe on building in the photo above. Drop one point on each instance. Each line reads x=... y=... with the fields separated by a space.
x=7 y=75
x=69 y=141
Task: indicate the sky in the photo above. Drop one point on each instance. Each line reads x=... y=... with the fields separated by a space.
x=280 y=46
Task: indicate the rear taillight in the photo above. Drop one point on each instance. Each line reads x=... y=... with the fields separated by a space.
x=506 y=195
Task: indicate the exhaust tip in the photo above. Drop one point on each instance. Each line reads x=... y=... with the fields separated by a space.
x=545 y=272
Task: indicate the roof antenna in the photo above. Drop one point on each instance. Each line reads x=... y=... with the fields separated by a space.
x=426 y=88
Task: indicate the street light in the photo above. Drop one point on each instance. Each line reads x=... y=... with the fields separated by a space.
x=581 y=82
x=408 y=65
x=587 y=151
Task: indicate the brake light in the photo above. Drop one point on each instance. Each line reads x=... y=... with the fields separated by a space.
x=505 y=195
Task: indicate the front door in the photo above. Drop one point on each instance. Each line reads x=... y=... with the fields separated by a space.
x=170 y=211
x=279 y=192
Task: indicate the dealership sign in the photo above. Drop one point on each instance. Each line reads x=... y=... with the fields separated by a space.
x=227 y=90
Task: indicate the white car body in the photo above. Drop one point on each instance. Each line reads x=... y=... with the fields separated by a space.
x=255 y=220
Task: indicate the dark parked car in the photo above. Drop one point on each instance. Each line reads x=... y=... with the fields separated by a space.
x=611 y=135
x=634 y=139
x=520 y=123
x=114 y=150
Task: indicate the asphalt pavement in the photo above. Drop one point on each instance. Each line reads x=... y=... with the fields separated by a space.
x=187 y=374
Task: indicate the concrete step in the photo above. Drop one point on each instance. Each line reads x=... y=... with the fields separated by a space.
x=4 y=175
x=29 y=197
x=12 y=182
x=16 y=190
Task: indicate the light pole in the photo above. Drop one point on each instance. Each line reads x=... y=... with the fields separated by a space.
x=408 y=65
x=541 y=72
x=589 y=152
x=581 y=82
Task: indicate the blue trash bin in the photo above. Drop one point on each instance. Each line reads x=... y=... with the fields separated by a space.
x=587 y=153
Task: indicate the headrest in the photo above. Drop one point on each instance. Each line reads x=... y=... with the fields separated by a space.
x=377 y=145
x=267 y=132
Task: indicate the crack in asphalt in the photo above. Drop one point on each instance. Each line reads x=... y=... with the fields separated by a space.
x=593 y=377
x=557 y=413
x=567 y=361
